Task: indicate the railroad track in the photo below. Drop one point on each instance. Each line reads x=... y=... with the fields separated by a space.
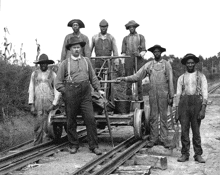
x=20 y=159
x=114 y=158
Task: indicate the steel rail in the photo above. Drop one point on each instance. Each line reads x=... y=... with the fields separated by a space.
x=89 y=166
x=30 y=155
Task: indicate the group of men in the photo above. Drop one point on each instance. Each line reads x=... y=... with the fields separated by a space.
x=76 y=75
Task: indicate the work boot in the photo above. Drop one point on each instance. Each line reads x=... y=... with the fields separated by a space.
x=183 y=158
x=97 y=151
x=150 y=144
x=73 y=150
x=199 y=159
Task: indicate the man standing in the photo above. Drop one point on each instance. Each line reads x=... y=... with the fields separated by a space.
x=192 y=95
x=74 y=77
x=76 y=24
x=160 y=95
x=43 y=96
x=104 y=44
x=133 y=45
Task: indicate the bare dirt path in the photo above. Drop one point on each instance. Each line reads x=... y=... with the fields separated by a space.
x=63 y=163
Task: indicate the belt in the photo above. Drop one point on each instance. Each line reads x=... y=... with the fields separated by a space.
x=78 y=82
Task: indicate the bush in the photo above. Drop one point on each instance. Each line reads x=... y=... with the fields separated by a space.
x=13 y=88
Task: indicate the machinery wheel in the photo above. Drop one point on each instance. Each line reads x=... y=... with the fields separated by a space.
x=55 y=130
x=147 y=119
x=139 y=123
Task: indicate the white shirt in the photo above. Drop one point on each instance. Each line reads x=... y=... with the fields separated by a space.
x=189 y=80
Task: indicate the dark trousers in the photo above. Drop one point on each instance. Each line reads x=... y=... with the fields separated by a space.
x=129 y=70
x=189 y=108
x=78 y=99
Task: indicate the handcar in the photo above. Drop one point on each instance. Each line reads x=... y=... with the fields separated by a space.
x=108 y=112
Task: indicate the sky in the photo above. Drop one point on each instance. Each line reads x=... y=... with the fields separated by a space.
x=181 y=26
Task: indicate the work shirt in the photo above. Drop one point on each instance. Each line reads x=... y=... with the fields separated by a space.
x=192 y=84
x=80 y=70
x=161 y=65
x=131 y=44
x=85 y=50
x=104 y=45
x=42 y=91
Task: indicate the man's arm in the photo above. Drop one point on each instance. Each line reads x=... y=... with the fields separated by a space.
x=179 y=90
x=59 y=80
x=141 y=73
x=92 y=45
x=64 y=51
x=57 y=94
x=31 y=90
x=92 y=77
x=204 y=88
x=114 y=47
x=124 y=47
x=87 y=47
x=169 y=72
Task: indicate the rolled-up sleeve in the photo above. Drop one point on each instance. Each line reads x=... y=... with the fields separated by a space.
x=57 y=94
x=204 y=88
x=141 y=73
x=59 y=80
x=179 y=89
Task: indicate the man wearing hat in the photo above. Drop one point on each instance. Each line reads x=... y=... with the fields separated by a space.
x=160 y=95
x=104 y=44
x=133 y=45
x=191 y=101
x=74 y=77
x=43 y=96
x=76 y=24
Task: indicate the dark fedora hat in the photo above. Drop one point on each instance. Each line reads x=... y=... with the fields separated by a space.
x=78 y=21
x=157 y=47
x=43 y=59
x=73 y=41
x=189 y=56
x=103 y=23
x=131 y=23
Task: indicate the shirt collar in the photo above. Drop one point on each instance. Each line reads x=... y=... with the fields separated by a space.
x=158 y=61
x=75 y=58
x=102 y=36
x=135 y=33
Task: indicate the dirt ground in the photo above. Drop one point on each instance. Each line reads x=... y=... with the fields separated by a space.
x=63 y=163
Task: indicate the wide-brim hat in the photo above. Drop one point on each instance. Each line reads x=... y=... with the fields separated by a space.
x=131 y=23
x=189 y=56
x=43 y=59
x=73 y=41
x=157 y=47
x=78 y=21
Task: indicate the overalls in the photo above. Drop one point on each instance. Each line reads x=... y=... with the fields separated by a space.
x=43 y=100
x=158 y=99
x=189 y=108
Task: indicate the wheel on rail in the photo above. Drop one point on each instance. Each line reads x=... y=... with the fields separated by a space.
x=147 y=119
x=55 y=130
x=139 y=123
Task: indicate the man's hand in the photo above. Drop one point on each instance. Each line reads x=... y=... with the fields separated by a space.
x=121 y=79
x=202 y=113
x=33 y=112
x=102 y=93
x=176 y=115
x=142 y=53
